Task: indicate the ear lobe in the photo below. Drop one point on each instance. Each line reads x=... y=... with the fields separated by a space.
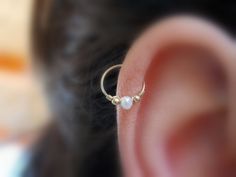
x=179 y=127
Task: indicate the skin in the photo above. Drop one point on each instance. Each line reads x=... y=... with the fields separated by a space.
x=184 y=124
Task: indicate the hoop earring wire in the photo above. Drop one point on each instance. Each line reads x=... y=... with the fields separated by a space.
x=125 y=102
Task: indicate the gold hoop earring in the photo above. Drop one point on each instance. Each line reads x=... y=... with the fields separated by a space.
x=126 y=102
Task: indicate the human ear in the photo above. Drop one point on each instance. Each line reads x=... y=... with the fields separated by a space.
x=182 y=127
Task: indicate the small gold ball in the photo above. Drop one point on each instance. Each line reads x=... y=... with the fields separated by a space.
x=115 y=100
x=136 y=98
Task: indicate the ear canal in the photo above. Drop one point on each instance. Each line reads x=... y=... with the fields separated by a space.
x=185 y=115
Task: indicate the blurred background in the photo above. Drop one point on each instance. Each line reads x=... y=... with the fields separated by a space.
x=23 y=108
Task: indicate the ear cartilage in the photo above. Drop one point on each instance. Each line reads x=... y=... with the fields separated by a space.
x=126 y=102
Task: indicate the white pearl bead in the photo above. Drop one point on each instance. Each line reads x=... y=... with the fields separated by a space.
x=126 y=102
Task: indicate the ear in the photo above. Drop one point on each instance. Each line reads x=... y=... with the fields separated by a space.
x=182 y=125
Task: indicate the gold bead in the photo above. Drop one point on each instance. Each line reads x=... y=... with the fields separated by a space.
x=136 y=98
x=115 y=100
